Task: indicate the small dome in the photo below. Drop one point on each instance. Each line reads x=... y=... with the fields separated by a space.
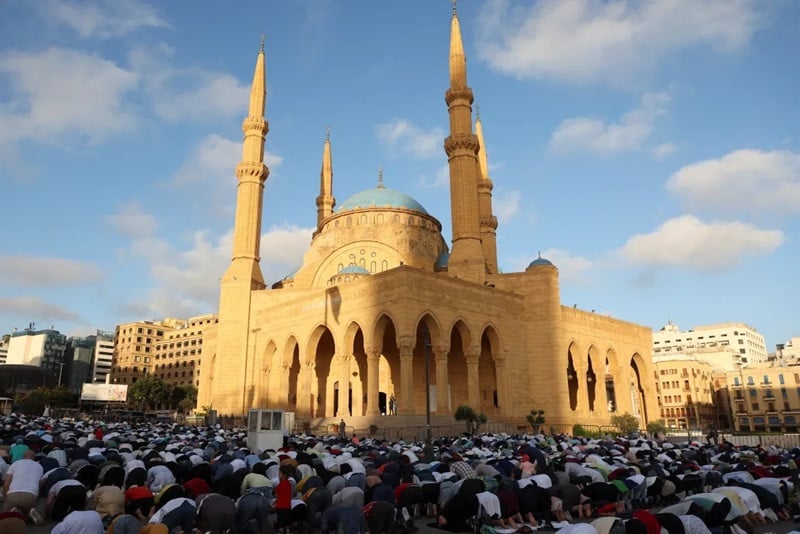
x=441 y=262
x=354 y=269
x=539 y=262
x=381 y=197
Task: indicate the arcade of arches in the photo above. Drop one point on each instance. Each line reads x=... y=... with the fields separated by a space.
x=464 y=365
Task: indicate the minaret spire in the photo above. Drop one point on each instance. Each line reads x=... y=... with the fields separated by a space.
x=466 y=257
x=488 y=221
x=235 y=345
x=325 y=200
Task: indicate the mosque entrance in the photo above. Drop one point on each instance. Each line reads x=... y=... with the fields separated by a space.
x=383 y=403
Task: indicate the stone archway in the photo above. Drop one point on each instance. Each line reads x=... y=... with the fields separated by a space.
x=638 y=396
x=592 y=359
x=572 y=377
x=488 y=379
x=462 y=365
x=610 y=369
x=321 y=374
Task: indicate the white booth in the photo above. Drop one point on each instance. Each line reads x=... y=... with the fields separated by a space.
x=267 y=428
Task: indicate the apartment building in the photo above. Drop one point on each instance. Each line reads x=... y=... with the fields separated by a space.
x=179 y=353
x=787 y=353
x=763 y=398
x=685 y=392
x=726 y=346
x=134 y=349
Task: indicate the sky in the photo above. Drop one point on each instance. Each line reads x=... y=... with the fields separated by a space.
x=649 y=149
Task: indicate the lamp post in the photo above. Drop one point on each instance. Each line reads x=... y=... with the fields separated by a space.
x=426 y=339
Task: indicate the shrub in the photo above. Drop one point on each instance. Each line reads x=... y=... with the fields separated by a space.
x=625 y=423
x=467 y=415
x=536 y=418
x=659 y=426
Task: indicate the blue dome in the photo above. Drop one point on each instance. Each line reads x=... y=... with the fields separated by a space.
x=354 y=269
x=381 y=197
x=540 y=261
x=441 y=262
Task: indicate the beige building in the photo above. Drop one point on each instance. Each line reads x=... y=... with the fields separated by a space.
x=382 y=306
x=763 y=398
x=170 y=349
x=134 y=350
x=686 y=393
x=177 y=355
x=726 y=346
x=789 y=352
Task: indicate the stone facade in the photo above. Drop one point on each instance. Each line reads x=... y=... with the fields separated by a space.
x=379 y=299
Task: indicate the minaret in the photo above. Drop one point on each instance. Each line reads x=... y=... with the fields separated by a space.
x=230 y=393
x=488 y=221
x=466 y=257
x=325 y=200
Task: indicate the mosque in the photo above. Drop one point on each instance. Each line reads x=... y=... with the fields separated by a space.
x=382 y=308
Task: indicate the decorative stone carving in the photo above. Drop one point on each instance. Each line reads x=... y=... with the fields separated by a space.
x=459 y=94
x=462 y=141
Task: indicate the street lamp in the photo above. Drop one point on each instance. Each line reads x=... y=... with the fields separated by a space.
x=426 y=339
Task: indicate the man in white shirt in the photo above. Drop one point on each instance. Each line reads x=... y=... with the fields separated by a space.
x=21 y=484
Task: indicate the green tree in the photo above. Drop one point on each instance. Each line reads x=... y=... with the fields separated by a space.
x=625 y=423
x=659 y=426
x=188 y=398
x=480 y=420
x=34 y=401
x=149 y=393
x=536 y=418
x=467 y=415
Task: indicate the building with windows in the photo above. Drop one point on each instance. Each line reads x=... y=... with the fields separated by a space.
x=178 y=354
x=685 y=392
x=788 y=353
x=79 y=356
x=103 y=356
x=383 y=305
x=726 y=346
x=38 y=348
x=763 y=398
x=4 y=341
x=170 y=349
x=134 y=349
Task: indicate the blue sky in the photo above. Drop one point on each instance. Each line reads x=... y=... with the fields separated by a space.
x=651 y=150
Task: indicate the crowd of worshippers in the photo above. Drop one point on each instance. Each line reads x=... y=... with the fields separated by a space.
x=89 y=477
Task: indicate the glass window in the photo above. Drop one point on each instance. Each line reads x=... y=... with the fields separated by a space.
x=780 y=379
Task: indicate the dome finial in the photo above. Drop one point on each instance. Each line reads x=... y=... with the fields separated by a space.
x=380 y=179
x=540 y=254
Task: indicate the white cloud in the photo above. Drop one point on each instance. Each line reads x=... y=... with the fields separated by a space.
x=214 y=159
x=571 y=269
x=406 y=137
x=440 y=178
x=185 y=282
x=612 y=41
x=187 y=93
x=132 y=221
x=743 y=180
x=506 y=205
x=690 y=243
x=35 y=309
x=45 y=271
x=61 y=94
x=102 y=18
x=595 y=136
x=663 y=150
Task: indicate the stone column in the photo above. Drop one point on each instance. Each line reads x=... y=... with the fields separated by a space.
x=304 y=391
x=502 y=383
x=343 y=365
x=406 y=401
x=373 y=391
x=473 y=387
x=442 y=383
